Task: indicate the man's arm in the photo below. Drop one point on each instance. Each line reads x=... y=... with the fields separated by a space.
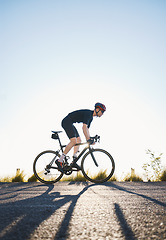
x=86 y=131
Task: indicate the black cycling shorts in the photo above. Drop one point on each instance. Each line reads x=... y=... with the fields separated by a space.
x=69 y=128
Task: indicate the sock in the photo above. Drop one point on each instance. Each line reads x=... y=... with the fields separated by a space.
x=62 y=157
x=76 y=154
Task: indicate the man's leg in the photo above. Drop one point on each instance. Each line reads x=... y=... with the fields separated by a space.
x=72 y=133
x=71 y=144
x=76 y=148
x=59 y=162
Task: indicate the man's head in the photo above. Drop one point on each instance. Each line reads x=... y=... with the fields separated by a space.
x=99 y=109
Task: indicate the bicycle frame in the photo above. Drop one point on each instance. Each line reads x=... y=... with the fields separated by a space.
x=56 y=136
x=83 y=151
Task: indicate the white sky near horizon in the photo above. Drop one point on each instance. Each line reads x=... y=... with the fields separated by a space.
x=60 y=56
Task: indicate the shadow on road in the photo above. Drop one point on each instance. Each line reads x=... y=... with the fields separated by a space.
x=19 y=218
x=20 y=215
x=110 y=184
x=62 y=232
x=126 y=229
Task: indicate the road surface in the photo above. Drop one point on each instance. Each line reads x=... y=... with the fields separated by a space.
x=114 y=210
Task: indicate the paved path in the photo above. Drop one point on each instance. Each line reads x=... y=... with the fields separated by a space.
x=83 y=211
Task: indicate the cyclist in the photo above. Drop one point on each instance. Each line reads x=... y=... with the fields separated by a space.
x=84 y=116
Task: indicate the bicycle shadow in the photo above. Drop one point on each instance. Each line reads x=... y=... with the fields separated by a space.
x=20 y=218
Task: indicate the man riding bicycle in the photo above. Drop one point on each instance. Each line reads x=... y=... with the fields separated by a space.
x=84 y=116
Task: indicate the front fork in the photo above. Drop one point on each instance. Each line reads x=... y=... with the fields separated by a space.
x=92 y=155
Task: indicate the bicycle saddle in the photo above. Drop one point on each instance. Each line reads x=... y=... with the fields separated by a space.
x=56 y=132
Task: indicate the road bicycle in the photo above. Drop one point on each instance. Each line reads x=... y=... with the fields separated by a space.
x=97 y=165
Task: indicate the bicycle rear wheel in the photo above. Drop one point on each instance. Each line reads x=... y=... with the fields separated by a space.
x=98 y=165
x=45 y=169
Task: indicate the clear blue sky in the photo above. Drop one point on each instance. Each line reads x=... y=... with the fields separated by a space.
x=58 y=56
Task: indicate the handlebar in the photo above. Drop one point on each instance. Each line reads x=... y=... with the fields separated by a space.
x=95 y=139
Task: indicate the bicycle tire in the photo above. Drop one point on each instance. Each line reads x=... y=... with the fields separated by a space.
x=105 y=169
x=42 y=172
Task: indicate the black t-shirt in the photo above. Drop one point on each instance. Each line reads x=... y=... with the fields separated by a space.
x=84 y=116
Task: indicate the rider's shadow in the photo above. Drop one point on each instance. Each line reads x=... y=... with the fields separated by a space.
x=63 y=229
x=19 y=218
x=113 y=185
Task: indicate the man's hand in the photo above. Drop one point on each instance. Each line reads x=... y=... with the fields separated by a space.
x=91 y=141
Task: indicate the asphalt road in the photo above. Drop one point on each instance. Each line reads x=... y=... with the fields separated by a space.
x=83 y=211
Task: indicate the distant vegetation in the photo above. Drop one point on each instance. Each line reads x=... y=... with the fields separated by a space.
x=132 y=178
x=6 y=179
x=163 y=176
x=19 y=177
x=32 y=179
x=113 y=179
x=74 y=178
x=153 y=169
x=80 y=178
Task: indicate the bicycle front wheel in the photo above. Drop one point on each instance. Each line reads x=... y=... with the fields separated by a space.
x=45 y=169
x=98 y=165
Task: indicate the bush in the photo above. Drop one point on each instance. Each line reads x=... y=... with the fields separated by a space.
x=133 y=178
x=19 y=177
x=153 y=167
x=163 y=176
x=32 y=179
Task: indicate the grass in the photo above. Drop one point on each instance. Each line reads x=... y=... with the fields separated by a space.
x=6 y=179
x=113 y=179
x=133 y=178
x=32 y=179
x=78 y=178
x=163 y=176
x=20 y=177
x=101 y=175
